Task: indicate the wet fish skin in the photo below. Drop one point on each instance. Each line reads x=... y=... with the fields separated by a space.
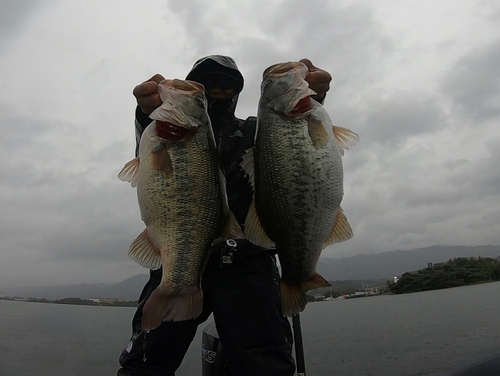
x=297 y=175
x=182 y=200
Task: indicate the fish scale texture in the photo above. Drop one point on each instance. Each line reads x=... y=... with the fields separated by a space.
x=300 y=189
x=186 y=211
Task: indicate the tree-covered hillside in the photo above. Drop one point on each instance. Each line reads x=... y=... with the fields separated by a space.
x=456 y=272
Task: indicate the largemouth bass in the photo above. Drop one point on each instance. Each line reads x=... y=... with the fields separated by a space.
x=182 y=199
x=296 y=171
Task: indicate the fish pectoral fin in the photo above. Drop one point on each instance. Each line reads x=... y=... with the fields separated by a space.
x=341 y=231
x=160 y=160
x=345 y=138
x=317 y=132
x=232 y=229
x=143 y=252
x=248 y=166
x=254 y=230
x=129 y=172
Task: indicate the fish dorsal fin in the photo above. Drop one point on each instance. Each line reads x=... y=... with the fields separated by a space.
x=160 y=160
x=341 y=231
x=317 y=132
x=345 y=138
x=254 y=230
x=232 y=229
x=129 y=172
x=143 y=252
x=248 y=166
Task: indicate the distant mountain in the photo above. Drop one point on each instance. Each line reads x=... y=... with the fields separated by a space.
x=361 y=267
x=128 y=289
x=390 y=264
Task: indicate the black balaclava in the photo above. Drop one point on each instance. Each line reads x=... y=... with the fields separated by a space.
x=220 y=110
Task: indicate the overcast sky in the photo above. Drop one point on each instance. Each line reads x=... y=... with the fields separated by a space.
x=419 y=81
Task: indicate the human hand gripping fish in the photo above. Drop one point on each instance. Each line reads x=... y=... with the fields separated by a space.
x=318 y=80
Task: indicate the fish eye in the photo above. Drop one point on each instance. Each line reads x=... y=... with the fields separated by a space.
x=265 y=85
x=200 y=100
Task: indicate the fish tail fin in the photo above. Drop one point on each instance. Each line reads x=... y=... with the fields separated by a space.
x=162 y=306
x=294 y=296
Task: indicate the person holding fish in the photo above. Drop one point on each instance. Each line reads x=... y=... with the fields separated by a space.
x=239 y=279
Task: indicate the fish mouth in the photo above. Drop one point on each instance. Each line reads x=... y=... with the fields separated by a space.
x=173 y=122
x=303 y=106
x=299 y=103
x=174 y=131
x=170 y=131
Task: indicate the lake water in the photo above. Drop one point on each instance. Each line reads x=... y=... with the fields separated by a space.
x=429 y=333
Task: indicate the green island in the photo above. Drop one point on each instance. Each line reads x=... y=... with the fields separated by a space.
x=456 y=272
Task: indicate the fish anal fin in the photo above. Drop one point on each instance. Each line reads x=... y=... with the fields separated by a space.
x=143 y=251
x=160 y=160
x=345 y=138
x=164 y=306
x=129 y=172
x=317 y=132
x=254 y=230
x=294 y=296
x=341 y=231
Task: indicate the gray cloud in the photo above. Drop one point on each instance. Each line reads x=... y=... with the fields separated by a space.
x=473 y=84
x=15 y=16
x=425 y=106
x=407 y=114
